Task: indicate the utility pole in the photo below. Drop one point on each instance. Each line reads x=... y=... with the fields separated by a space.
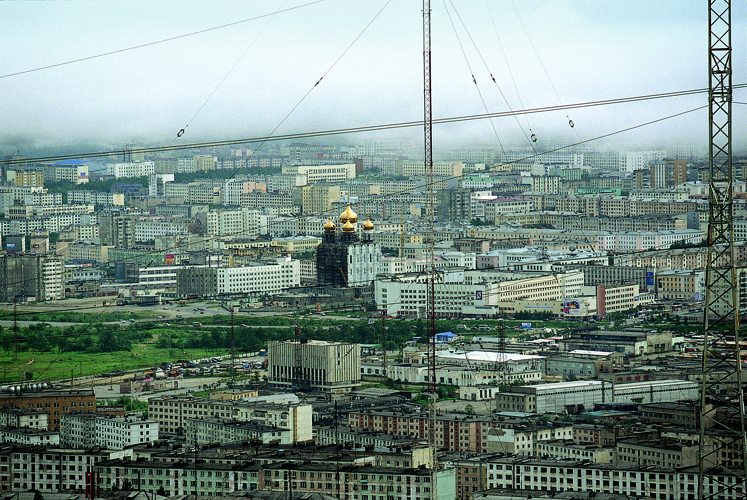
x=723 y=440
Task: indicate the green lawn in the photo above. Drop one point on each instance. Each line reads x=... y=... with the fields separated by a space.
x=52 y=366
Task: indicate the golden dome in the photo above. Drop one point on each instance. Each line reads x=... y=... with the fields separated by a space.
x=368 y=225
x=348 y=227
x=329 y=227
x=349 y=215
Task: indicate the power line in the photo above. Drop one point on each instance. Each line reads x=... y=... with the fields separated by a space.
x=156 y=42
x=156 y=253
x=366 y=128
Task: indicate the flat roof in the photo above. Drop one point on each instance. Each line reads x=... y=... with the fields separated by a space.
x=489 y=356
x=590 y=353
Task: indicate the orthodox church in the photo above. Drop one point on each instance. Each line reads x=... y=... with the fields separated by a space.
x=345 y=259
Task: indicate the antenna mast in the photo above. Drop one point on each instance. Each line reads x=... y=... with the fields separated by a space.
x=431 y=275
x=723 y=442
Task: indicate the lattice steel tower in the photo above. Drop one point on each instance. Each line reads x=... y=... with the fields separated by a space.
x=722 y=460
x=430 y=268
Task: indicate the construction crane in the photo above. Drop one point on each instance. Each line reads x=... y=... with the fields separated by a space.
x=723 y=440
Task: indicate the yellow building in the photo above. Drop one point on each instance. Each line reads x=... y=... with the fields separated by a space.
x=317 y=199
x=296 y=244
x=235 y=395
x=26 y=179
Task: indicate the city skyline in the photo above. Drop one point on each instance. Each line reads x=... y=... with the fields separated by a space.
x=370 y=73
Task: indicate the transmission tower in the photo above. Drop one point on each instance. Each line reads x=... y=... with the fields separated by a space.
x=723 y=442
x=430 y=268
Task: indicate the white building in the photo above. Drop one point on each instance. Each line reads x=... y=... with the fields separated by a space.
x=19 y=417
x=242 y=222
x=171 y=412
x=157 y=184
x=218 y=430
x=637 y=241
x=565 y=397
x=131 y=169
x=88 y=429
x=29 y=436
x=148 y=230
x=271 y=278
x=70 y=171
x=637 y=160
x=322 y=173
x=95 y=198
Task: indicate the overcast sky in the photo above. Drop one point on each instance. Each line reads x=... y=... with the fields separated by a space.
x=590 y=50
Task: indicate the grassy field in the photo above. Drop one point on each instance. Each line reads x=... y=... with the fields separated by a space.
x=52 y=366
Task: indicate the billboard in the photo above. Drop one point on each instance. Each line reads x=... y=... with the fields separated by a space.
x=168 y=259
x=572 y=307
x=649 y=278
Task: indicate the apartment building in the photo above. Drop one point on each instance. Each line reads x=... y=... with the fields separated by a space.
x=29 y=436
x=90 y=429
x=440 y=168
x=209 y=479
x=565 y=449
x=22 y=417
x=171 y=413
x=32 y=211
x=358 y=483
x=681 y=284
x=31 y=276
x=242 y=222
x=218 y=430
x=643 y=451
x=569 y=397
x=572 y=475
x=95 y=198
x=51 y=469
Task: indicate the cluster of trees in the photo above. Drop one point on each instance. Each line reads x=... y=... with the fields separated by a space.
x=93 y=338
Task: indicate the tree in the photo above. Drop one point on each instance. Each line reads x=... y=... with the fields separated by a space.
x=469 y=409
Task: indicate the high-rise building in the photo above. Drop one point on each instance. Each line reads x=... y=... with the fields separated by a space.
x=665 y=173
x=25 y=276
x=317 y=199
